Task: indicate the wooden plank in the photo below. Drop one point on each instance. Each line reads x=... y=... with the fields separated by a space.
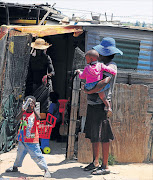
x=135 y=78
x=85 y=154
x=84 y=149
x=73 y=117
x=138 y=78
x=83 y=102
x=131 y=123
x=49 y=10
x=78 y=60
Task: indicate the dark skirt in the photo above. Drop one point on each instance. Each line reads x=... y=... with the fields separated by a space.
x=97 y=126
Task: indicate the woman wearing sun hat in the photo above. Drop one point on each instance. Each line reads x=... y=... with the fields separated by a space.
x=40 y=72
x=97 y=127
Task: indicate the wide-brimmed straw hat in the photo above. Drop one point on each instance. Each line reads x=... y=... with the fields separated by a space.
x=40 y=44
x=107 y=47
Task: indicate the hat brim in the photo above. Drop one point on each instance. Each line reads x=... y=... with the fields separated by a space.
x=42 y=47
x=107 y=51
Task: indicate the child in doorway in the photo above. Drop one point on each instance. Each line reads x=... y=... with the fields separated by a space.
x=54 y=110
x=28 y=137
x=93 y=73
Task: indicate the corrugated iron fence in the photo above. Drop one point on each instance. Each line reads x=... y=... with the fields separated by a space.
x=137 y=46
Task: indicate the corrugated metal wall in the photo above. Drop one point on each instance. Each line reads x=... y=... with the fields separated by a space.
x=129 y=59
x=136 y=65
x=145 y=59
x=137 y=46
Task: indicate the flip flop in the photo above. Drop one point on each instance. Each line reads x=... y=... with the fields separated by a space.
x=90 y=167
x=100 y=171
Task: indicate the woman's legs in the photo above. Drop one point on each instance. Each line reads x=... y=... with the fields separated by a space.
x=105 y=152
x=95 y=148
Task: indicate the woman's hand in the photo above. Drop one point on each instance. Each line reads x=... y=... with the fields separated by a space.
x=49 y=75
x=77 y=71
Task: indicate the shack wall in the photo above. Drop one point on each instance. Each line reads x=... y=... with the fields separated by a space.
x=131 y=124
x=130 y=80
x=136 y=44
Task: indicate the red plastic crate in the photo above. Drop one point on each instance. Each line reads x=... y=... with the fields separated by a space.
x=45 y=126
x=51 y=120
x=45 y=131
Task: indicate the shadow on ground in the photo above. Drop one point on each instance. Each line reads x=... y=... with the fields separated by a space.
x=18 y=174
x=71 y=173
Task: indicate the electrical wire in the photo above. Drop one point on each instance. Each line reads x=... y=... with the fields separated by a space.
x=108 y=15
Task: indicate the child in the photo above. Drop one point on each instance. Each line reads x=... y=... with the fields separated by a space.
x=93 y=73
x=54 y=110
x=28 y=138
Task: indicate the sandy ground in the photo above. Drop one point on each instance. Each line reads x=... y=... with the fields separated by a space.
x=67 y=170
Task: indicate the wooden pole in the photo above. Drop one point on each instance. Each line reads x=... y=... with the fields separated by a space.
x=105 y=16
x=49 y=10
x=112 y=17
x=7 y=16
x=38 y=14
x=73 y=117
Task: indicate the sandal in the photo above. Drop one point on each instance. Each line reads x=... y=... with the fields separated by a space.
x=90 y=167
x=100 y=171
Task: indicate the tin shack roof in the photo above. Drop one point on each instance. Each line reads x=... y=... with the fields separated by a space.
x=117 y=26
x=41 y=31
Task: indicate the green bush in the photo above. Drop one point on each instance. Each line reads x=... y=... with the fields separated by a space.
x=111 y=160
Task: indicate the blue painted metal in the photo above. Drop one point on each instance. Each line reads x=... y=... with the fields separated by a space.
x=145 y=47
x=145 y=63
x=138 y=54
x=145 y=60
x=143 y=67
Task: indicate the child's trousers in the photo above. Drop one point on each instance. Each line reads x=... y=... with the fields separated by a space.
x=34 y=150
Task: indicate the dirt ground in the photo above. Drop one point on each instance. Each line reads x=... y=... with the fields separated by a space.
x=67 y=170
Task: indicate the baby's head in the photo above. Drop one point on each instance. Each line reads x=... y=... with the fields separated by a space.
x=91 y=56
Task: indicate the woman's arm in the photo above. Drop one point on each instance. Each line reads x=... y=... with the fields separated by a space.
x=51 y=71
x=108 y=69
x=100 y=85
